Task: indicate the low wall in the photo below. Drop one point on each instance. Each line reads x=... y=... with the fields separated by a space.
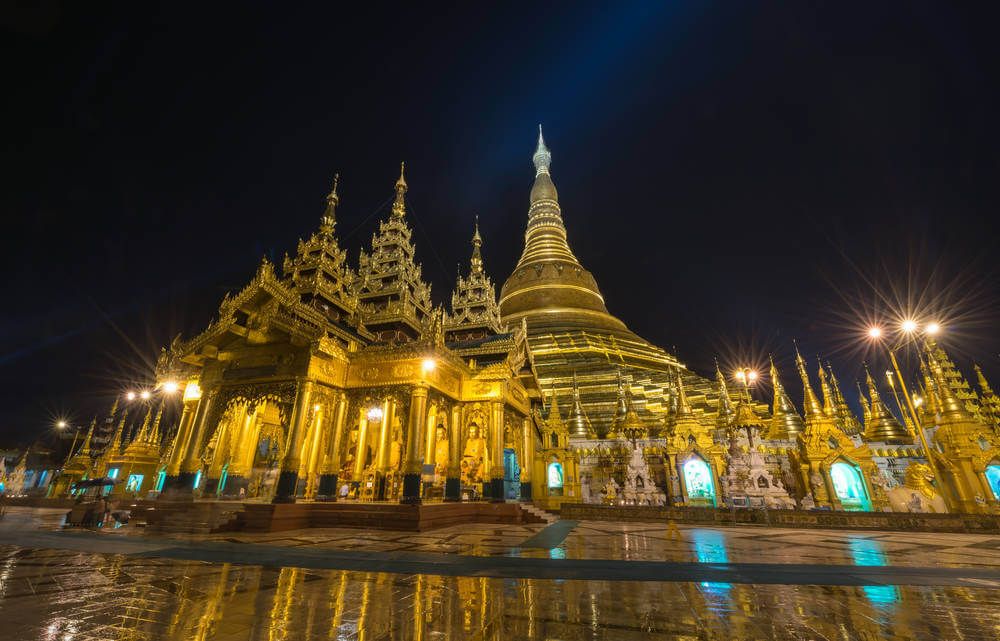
x=832 y=520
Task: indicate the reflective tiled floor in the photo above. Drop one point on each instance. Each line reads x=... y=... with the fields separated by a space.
x=134 y=592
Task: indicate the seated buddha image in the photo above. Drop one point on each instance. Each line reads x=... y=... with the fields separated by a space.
x=473 y=456
x=441 y=451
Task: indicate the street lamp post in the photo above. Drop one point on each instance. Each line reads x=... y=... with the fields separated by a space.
x=909 y=329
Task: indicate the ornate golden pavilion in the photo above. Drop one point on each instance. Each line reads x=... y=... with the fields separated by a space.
x=319 y=382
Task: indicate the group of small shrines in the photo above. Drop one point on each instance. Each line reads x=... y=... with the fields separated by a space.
x=332 y=383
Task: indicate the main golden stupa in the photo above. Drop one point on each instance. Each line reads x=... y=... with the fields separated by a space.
x=573 y=336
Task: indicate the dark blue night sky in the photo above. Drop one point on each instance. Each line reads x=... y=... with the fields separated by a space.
x=735 y=175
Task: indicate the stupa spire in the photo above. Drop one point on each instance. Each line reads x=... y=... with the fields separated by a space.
x=579 y=424
x=476 y=262
x=785 y=420
x=399 y=204
x=881 y=425
x=951 y=407
x=866 y=408
x=683 y=405
x=810 y=402
x=329 y=219
x=85 y=448
x=116 y=442
x=829 y=405
x=543 y=157
x=144 y=430
x=154 y=434
x=725 y=401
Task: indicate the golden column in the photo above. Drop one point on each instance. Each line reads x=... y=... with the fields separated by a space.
x=496 y=449
x=412 y=461
x=289 y=477
x=384 y=443
x=191 y=400
x=331 y=464
x=453 y=480
x=528 y=434
x=190 y=463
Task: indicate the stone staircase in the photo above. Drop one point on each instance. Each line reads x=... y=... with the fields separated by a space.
x=200 y=517
x=546 y=517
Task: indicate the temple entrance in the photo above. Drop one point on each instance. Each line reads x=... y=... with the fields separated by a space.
x=993 y=479
x=850 y=487
x=698 y=485
x=511 y=475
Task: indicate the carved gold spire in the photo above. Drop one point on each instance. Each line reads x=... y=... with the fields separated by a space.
x=866 y=408
x=810 y=403
x=621 y=404
x=882 y=426
x=143 y=434
x=474 y=310
x=951 y=408
x=829 y=407
x=989 y=401
x=633 y=427
x=554 y=419
x=85 y=448
x=725 y=413
x=579 y=424
x=116 y=442
x=399 y=204
x=845 y=417
x=785 y=420
x=329 y=220
x=154 y=434
x=476 y=262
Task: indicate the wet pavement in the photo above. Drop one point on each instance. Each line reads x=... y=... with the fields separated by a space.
x=577 y=581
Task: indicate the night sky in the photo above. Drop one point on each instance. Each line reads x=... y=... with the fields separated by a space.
x=735 y=175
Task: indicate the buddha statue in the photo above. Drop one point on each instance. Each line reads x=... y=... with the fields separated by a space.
x=473 y=456
x=441 y=451
x=347 y=467
x=395 y=451
x=916 y=494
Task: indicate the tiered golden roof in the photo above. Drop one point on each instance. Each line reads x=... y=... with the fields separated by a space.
x=394 y=300
x=474 y=309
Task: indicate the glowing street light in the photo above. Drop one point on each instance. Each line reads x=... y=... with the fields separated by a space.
x=909 y=329
x=130 y=396
x=145 y=394
x=170 y=387
x=62 y=425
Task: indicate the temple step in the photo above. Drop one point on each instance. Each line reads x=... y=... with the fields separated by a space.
x=193 y=518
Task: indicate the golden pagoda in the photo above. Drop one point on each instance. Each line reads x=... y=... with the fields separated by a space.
x=570 y=328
